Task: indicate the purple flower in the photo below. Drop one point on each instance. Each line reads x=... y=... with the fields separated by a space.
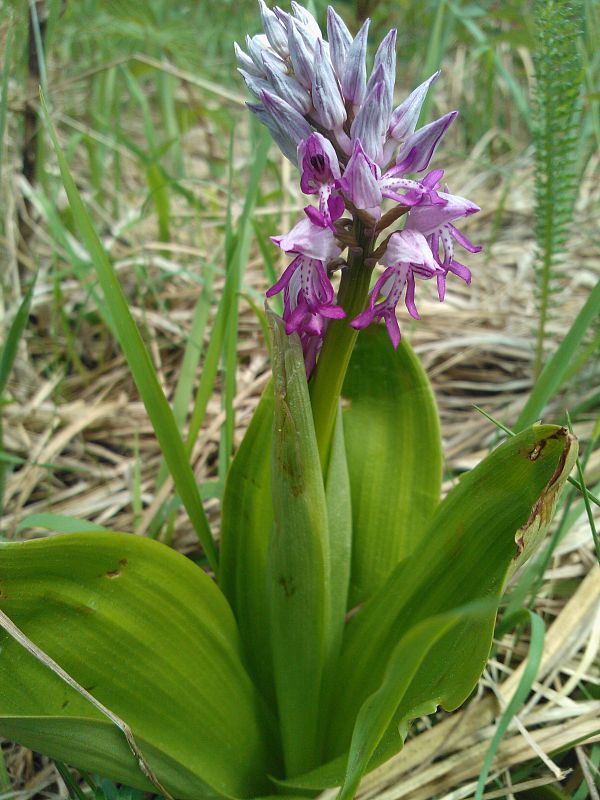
x=365 y=187
x=434 y=222
x=309 y=240
x=417 y=151
x=408 y=256
x=320 y=173
x=360 y=182
x=308 y=296
x=307 y=291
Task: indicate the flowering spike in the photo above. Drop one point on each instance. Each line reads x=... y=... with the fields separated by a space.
x=354 y=78
x=340 y=40
x=326 y=96
x=307 y=87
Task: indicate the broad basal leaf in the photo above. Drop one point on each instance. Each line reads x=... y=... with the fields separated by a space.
x=464 y=556
x=394 y=456
x=150 y=636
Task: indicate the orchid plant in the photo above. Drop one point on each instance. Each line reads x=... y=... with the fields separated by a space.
x=346 y=599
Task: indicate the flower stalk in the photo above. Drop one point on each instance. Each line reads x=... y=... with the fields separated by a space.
x=328 y=379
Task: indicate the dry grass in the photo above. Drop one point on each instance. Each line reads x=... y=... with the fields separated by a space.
x=79 y=413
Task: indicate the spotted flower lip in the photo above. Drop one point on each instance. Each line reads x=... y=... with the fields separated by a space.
x=358 y=153
x=408 y=256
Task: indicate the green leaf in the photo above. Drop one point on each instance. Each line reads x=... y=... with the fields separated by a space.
x=150 y=636
x=298 y=562
x=339 y=526
x=58 y=523
x=394 y=453
x=246 y=524
x=143 y=372
x=13 y=337
x=488 y=522
x=376 y=713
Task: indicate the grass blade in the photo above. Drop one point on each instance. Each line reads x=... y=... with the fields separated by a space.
x=15 y=332
x=7 y=359
x=139 y=361
x=586 y=500
x=534 y=658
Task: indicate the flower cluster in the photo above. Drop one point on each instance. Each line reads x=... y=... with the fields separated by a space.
x=353 y=150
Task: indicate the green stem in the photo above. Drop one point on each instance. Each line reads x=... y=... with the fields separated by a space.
x=327 y=382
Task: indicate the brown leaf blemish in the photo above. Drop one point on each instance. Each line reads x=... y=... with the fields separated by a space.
x=536 y=452
x=116 y=573
x=544 y=507
x=287 y=585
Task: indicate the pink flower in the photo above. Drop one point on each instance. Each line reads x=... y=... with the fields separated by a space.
x=408 y=256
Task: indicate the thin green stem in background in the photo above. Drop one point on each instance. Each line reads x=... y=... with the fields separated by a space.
x=7 y=360
x=586 y=499
x=534 y=658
